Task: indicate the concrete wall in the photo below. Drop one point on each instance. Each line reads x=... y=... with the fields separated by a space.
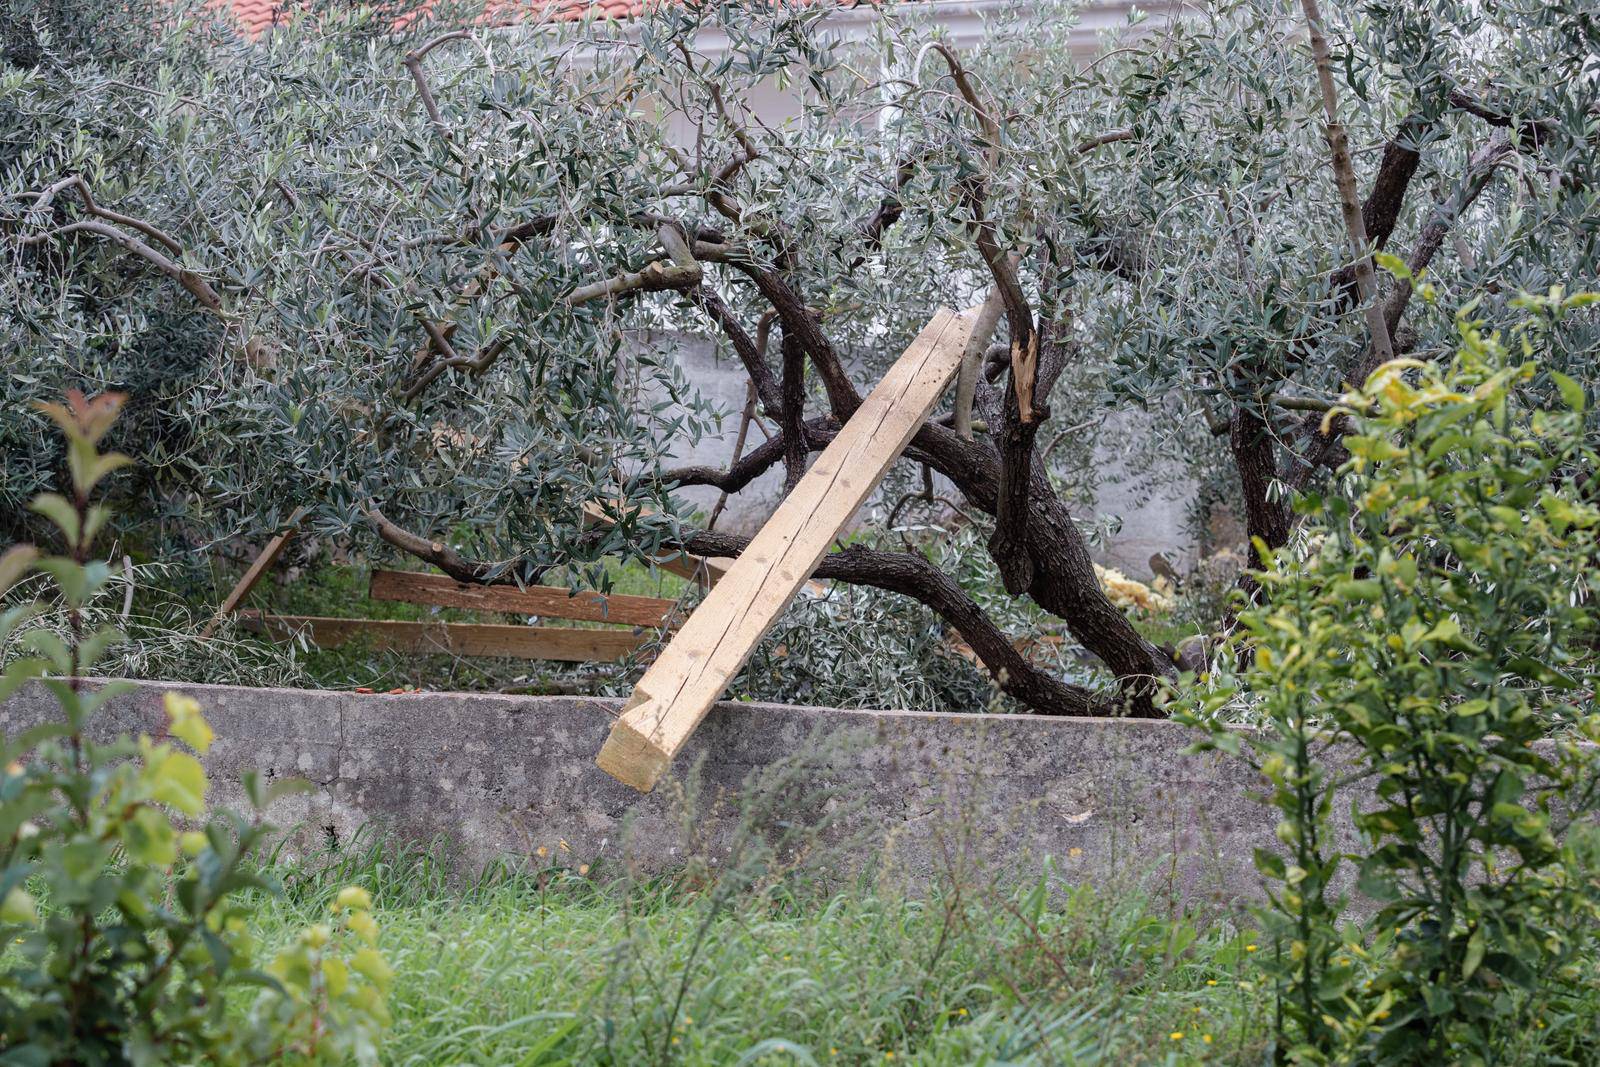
x=1110 y=800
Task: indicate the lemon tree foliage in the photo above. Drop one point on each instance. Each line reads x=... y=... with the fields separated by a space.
x=125 y=899
x=1431 y=662
x=427 y=270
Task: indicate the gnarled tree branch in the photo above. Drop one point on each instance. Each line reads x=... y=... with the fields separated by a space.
x=911 y=574
x=755 y=463
x=1480 y=169
x=751 y=353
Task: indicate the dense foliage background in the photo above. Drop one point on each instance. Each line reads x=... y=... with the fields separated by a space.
x=345 y=292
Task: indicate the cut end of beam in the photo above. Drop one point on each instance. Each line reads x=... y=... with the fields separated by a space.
x=632 y=758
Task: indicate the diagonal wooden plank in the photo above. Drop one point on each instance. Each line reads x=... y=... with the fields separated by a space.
x=547 y=601
x=259 y=566
x=694 y=670
x=458 y=638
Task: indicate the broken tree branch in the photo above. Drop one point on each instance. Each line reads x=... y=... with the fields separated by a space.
x=437 y=553
x=972 y=359
x=1109 y=137
x=1345 y=178
x=681 y=271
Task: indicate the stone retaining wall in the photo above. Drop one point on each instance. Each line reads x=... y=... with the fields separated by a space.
x=1107 y=799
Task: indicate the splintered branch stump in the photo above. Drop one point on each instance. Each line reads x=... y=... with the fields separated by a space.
x=718 y=637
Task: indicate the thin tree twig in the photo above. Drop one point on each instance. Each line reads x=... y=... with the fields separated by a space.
x=413 y=64
x=738 y=448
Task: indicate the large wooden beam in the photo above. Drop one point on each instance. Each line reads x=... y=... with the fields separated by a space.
x=694 y=670
x=259 y=566
x=566 y=644
x=551 y=602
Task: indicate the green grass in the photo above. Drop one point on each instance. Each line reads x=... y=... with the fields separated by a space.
x=553 y=967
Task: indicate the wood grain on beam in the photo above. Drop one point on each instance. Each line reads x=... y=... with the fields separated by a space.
x=459 y=638
x=552 y=602
x=717 y=639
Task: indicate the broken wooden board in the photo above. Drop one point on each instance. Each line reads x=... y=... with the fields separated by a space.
x=707 y=570
x=259 y=566
x=547 y=601
x=717 y=639
x=566 y=644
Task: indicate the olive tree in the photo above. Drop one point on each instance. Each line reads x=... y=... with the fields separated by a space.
x=416 y=254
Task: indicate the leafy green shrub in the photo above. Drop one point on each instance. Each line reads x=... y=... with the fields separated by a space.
x=1436 y=647
x=124 y=902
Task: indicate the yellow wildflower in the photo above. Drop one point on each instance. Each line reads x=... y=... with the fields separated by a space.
x=353 y=896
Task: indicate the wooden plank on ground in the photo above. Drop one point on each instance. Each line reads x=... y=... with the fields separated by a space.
x=707 y=570
x=261 y=565
x=694 y=670
x=547 y=601
x=460 y=638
